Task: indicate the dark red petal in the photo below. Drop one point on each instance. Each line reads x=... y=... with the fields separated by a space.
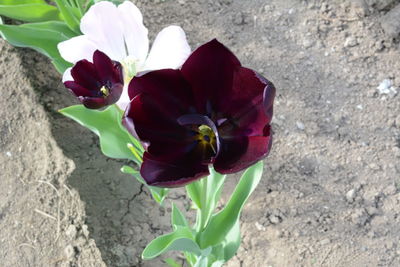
x=238 y=154
x=209 y=70
x=249 y=107
x=151 y=121
x=77 y=89
x=84 y=73
x=115 y=93
x=167 y=88
x=107 y=70
x=170 y=174
x=93 y=102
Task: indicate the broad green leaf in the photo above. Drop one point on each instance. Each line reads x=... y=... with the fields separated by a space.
x=194 y=192
x=158 y=193
x=69 y=16
x=181 y=239
x=56 y=26
x=30 y=12
x=107 y=125
x=202 y=261
x=177 y=218
x=43 y=37
x=222 y=223
x=172 y=263
x=232 y=241
x=215 y=182
x=21 y=2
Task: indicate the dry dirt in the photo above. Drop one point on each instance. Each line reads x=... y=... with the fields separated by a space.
x=330 y=195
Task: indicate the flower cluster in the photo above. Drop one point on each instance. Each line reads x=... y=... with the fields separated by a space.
x=189 y=112
x=120 y=34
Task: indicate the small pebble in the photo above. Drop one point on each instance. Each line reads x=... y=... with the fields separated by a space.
x=300 y=125
x=350 y=195
x=8 y=153
x=259 y=226
x=325 y=241
x=274 y=219
x=71 y=231
x=350 y=42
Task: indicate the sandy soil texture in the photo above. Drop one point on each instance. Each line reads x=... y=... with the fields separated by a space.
x=330 y=192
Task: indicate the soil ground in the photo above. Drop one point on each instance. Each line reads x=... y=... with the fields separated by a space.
x=330 y=191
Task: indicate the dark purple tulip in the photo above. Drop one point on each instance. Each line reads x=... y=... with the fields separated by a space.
x=96 y=84
x=212 y=111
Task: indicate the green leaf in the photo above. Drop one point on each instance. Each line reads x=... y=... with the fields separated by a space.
x=177 y=218
x=21 y=2
x=107 y=125
x=181 y=239
x=222 y=223
x=158 y=193
x=215 y=182
x=172 y=263
x=194 y=192
x=232 y=241
x=43 y=37
x=69 y=15
x=202 y=261
x=30 y=12
x=58 y=27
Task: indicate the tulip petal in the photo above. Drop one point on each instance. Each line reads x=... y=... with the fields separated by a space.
x=106 y=69
x=146 y=118
x=77 y=89
x=84 y=73
x=170 y=49
x=103 y=26
x=124 y=100
x=67 y=75
x=248 y=106
x=240 y=153
x=77 y=48
x=171 y=154
x=170 y=174
x=135 y=33
x=167 y=87
x=210 y=69
x=93 y=102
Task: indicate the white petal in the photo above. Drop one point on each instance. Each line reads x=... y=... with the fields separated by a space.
x=124 y=99
x=103 y=26
x=135 y=33
x=170 y=49
x=77 y=48
x=67 y=75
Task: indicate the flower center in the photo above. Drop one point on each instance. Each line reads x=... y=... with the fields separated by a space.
x=129 y=68
x=105 y=91
x=206 y=137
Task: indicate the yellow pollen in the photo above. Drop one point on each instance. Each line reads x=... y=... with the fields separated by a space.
x=105 y=91
x=207 y=137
